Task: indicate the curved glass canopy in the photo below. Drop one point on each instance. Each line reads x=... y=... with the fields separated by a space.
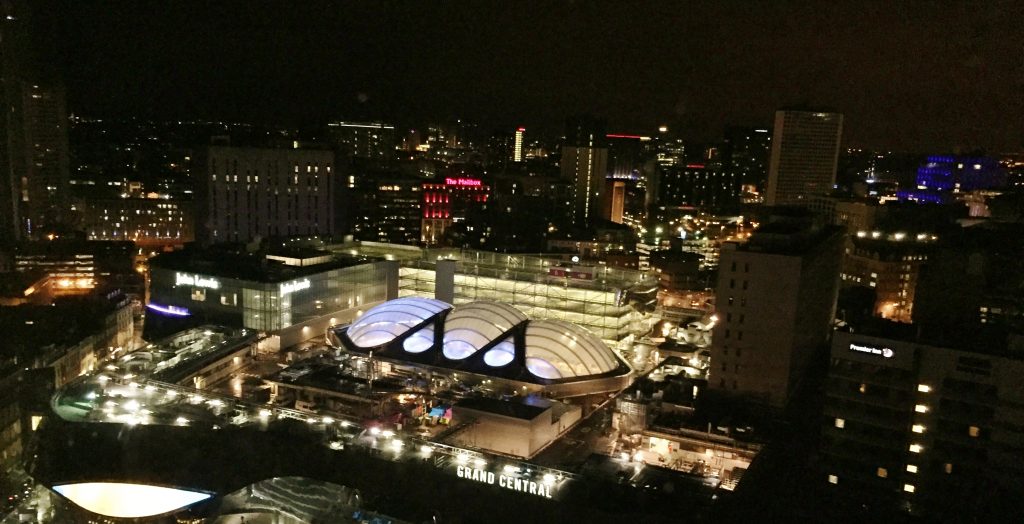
x=385 y=322
x=557 y=349
x=474 y=325
x=554 y=349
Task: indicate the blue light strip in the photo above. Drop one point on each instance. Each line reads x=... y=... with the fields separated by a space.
x=169 y=310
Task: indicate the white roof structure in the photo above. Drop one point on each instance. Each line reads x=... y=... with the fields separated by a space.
x=553 y=350
x=385 y=322
x=557 y=349
x=474 y=325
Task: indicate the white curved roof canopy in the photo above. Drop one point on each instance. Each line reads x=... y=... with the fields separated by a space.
x=474 y=325
x=383 y=323
x=557 y=349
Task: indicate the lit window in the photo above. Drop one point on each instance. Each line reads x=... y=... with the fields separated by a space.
x=909 y=488
x=840 y=423
x=911 y=468
x=917 y=428
x=921 y=408
x=863 y=388
x=973 y=431
x=832 y=479
x=948 y=468
x=882 y=472
x=915 y=448
x=924 y=388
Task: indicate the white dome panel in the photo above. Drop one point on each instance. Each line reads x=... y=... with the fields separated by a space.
x=383 y=323
x=472 y=326
x=557 y=347
x=501 y=354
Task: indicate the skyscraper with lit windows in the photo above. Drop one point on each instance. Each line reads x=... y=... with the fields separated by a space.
x=585 y=160
x=517 y=148
x=805 y=149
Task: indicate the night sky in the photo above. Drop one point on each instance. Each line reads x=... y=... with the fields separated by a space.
x=911 y=76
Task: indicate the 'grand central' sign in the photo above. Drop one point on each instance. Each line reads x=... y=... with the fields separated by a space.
x=505 y=481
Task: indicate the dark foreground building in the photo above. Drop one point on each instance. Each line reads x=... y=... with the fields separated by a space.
x=919 y=427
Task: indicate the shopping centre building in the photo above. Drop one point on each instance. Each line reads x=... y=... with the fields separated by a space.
x=488 y=339
x=603 y=299
x=294 y=295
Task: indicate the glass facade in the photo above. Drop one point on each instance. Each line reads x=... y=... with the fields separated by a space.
x=524 y=282
x=270 y=306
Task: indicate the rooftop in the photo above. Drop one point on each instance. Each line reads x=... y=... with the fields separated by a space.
x=522 y=409
x=227 y=263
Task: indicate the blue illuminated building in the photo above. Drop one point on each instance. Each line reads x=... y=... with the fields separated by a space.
x=942 y=175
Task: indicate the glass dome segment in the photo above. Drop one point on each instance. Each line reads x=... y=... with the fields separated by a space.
x=472 y=326
x=556 y=350
x=383 y=323
x=501 y=354
x=419 y=341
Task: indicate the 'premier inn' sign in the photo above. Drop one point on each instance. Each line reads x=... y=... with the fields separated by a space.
x=505 y=481
x=871 y=350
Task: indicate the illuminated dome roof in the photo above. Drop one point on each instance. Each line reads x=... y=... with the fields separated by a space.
x=472 y=326
x=481 y=337
x=384 y=323
x=557 y=349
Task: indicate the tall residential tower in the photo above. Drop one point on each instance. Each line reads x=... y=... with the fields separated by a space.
x=585 y=160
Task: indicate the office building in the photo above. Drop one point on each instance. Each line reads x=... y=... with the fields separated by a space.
x=245 y=193
x=448 y=202
x=919 y=426
x=745 y=153
x=626 y=155
x=75 y=266
x=775 y=301
x=693 y=186
x=942 y=176
x=889 y=265
x=367 y=140
x=33 y=130
x=389 y=208
x=585 y=161
x=149 y=222
x=805 y=149
x=614 y=201
x=973 y=278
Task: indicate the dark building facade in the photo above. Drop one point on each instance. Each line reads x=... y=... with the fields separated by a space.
x=149 y=222
x=389 y=208
x=33 y=132
x=775 y=302
x=585 y=161
x=924 y=428
x=805 y=152
x=246 y=193
x=694 y=185
x=368 y=140
x=745 y=154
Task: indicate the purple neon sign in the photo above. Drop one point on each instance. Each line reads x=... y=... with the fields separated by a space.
x=169 y=310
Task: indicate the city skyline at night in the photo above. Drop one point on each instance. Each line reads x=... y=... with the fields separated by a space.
x=908 y=77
